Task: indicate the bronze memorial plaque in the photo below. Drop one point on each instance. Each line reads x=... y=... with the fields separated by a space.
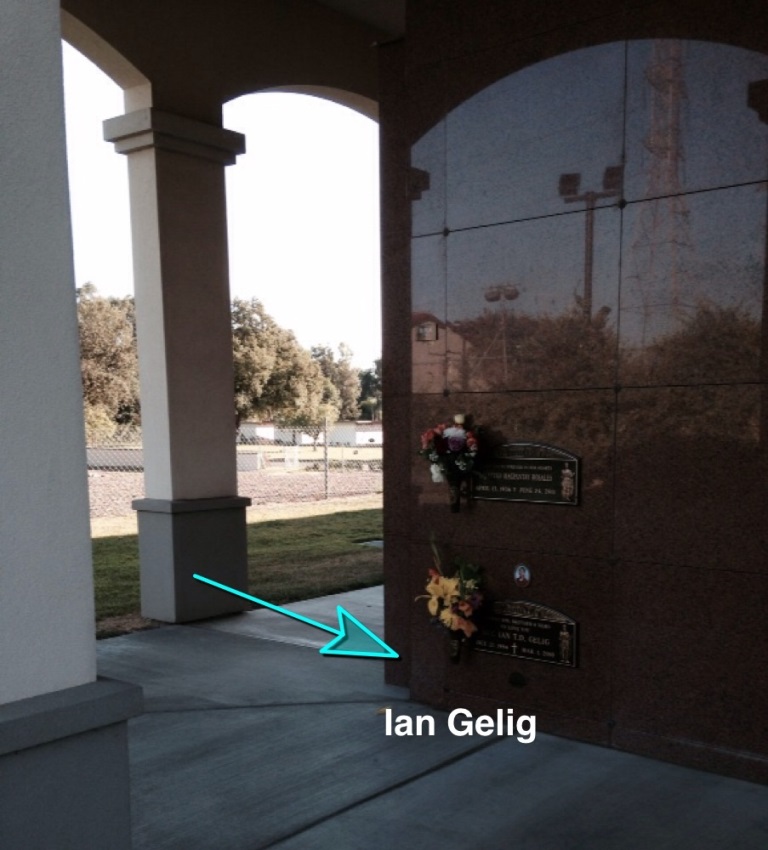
x=531 y=631
x=529 y=472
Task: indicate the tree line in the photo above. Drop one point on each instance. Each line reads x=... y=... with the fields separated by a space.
x=275 y=378
x=675 y=387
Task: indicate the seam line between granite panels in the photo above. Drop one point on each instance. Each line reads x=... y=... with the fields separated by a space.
x=628 y=202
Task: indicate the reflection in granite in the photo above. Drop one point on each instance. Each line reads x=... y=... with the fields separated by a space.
x=689 y=123
x=691 y=476
x=686 y=672
x=584 y=694
x=428 y=172
x=516 y=297
x=690 y=120
x=429 y=349
x=596 y=280
x=692 y=288
x=508 y=145
x=580 y=421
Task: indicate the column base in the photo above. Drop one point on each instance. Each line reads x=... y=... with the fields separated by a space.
x=180 y=537
x=64 y=768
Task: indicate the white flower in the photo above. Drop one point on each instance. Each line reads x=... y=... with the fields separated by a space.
x=437 y=474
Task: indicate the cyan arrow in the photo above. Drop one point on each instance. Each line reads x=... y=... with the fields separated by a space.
x=352 y=637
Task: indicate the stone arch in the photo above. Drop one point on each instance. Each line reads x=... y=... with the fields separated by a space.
x=358 y=102
x=136 y=87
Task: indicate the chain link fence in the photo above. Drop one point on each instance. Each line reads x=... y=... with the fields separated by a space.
x=273 y=466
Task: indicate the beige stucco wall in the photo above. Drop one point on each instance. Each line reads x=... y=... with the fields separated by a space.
x=46 y=592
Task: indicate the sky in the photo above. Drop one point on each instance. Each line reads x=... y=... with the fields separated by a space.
x=302 y=207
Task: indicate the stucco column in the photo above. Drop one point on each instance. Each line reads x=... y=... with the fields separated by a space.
x=59 y=727
x=191 y=519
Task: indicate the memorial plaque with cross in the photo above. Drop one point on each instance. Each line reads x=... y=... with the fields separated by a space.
x=530 y=631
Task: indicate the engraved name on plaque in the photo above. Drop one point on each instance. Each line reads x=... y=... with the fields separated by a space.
x=529 y=472
x=530 y=631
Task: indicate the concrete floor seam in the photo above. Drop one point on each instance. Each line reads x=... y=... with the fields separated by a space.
x=381 y=793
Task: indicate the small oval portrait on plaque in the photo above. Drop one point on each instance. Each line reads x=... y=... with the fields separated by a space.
x=522 y=575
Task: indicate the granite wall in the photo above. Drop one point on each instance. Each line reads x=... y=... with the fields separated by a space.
x=574 y=254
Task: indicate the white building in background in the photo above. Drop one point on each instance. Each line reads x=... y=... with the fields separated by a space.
x=341 y=434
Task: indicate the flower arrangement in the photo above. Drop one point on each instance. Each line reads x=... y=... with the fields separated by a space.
x=451 y=450
x=452 y=601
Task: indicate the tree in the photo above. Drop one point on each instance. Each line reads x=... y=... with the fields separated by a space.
x=520 y=351
x=108 y=359
x=369 y=400
x=342 y=375
x=274 y=377
x=696 y=368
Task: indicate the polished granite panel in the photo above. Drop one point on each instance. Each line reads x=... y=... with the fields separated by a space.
x=529 y=313
x=504 y=24
x=397 y=601
x=580 y=588
x=429 y=31
x=689 y=123
x=473 y=66
x=422 y=116
x=693 y=288
x=452 y=28
x=744 y=24
x=429 y=647
x=673 y=476
x=428 y=182
x=690 y=656
x=394 y=147
x=431 y=337
x=580 y=422
x=539 y=141
x=691 y=476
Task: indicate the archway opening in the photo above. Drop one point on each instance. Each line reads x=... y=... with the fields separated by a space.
x=302 y=209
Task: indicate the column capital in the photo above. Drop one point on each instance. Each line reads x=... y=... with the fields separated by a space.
x=151 y=128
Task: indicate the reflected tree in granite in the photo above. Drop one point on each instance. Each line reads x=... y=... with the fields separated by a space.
x=716 y=346
x=554 y=351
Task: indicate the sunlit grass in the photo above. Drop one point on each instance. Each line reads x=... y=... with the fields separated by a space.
x=288 y=560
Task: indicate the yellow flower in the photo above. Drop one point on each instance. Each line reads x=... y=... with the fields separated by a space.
x=435 y=591
x=446 y=618
x=450 y=587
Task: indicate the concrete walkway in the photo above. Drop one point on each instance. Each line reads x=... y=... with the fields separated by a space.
x=252 y=739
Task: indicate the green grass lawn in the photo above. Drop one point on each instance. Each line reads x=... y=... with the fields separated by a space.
x=288 y=560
